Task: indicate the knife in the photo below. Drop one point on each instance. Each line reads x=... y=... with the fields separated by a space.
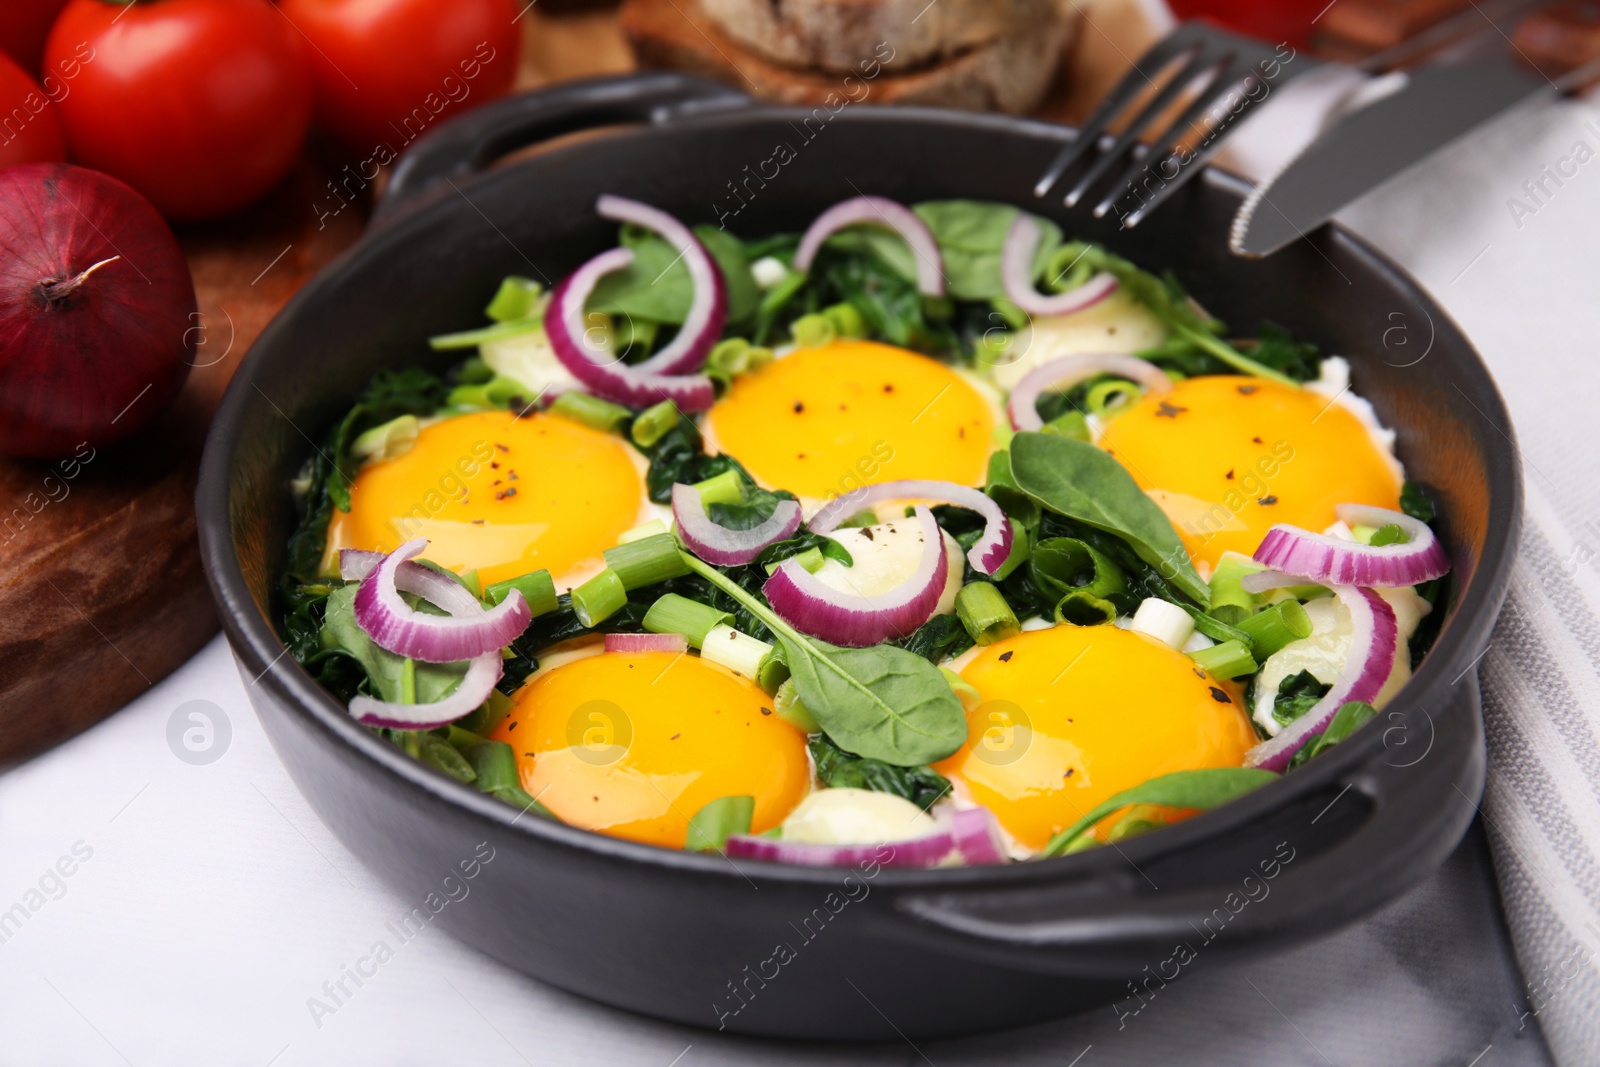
x=1436 y=106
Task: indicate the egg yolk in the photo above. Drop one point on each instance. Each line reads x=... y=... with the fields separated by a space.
x=824 y=421
x=499 y=494
x=633 y=744
x=1071 y=715
x=1226 y=457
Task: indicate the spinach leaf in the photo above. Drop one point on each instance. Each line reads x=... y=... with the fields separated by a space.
x=838 y=769
x=971 y=234
x=938 y=639
x=779 y=551
x=712 y=825
x=340 y=630
x=1276 y=348
x=1345 y=722
x=881 y=702
x=393 y=393
x=656 y=287
x=1204 y=789
x=1078 y=480
x=1414 y=501
x=1297 y=694
x=679 y=456
x=756 y=509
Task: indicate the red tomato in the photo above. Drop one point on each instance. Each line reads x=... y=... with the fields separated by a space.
x=386 y=70
x=30 y=132
x=201 y=105
x=24 y=24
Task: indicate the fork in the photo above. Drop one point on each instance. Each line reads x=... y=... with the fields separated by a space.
x=1224 y=76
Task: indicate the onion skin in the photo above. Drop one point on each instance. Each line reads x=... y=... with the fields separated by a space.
x=86 y=356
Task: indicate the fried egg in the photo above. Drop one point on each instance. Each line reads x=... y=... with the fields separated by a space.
x=500 y=495
x=633 y=744
x=825 y=420
x=1226 y=457
x=1070 y=715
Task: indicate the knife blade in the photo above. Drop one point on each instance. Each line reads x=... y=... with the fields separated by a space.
x=1373 y=145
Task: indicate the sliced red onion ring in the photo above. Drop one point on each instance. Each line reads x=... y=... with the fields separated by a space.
x=878 y=211
x=469 y=630
x=1067 y=371
x=720 y=545
x=1016 y=275
x=855 y=620
x=970 y=836
x=708 y=311
x=976 y=835
x=474 y=688
x=986 y=554
x=1335 y=561
x=593 y=364
x=1372 y=648
x=646 y=643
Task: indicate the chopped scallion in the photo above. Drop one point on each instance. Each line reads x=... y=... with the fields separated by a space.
x=786 y=702
x=983 y=610
x=1230 y=659
x=599 y=598
x=593 y=412
x=739 y=652
x=725 y=488
x=536 y=587
x=654 y=422
x=1275 y=627
x=674 y=614
x=517 y=298
x=646 y=561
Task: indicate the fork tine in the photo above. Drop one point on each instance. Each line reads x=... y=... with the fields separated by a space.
x=1161 y=148
x=1163 y=52
x=1125 y=140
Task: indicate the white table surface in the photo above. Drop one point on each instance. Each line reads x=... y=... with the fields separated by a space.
x=213 y=904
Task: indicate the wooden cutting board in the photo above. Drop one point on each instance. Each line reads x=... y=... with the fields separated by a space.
x=101 y=592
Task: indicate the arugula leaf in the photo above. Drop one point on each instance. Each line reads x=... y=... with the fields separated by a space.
x=971 y=235
x=340 y=630
x=712 y=825
x=838 y=769
x=656 y=287
x=1078 y=480
x=1297 y=694
x=1204 y=789
x=880 y=702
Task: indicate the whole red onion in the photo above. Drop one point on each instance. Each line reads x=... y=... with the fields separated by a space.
x=97 y=310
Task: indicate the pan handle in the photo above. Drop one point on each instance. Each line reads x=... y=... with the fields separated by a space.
x=472 y=142
x=1291 y=871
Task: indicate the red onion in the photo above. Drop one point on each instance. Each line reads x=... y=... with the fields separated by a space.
x=720 y=545
x=1067 y=371
x=646 y=643
x=1335 y=561
x=708 y=311
x=596 y=366
x=1372 y=648
x=1265 y=581
x=470 y=693
x=970 y=836
x=469 y=630
x=1016 y=275
x=986 y=554
x=878 y=211
x=97 y=311
x=855 y=620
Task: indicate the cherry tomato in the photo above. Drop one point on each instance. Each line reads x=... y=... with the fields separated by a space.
x=24 y=24
x=201 y=105
x=30 y=132
x=387 y=70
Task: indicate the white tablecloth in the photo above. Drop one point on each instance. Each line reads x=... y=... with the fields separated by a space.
x=156 y=911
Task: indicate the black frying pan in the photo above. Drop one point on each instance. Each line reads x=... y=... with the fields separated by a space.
x=811 y=953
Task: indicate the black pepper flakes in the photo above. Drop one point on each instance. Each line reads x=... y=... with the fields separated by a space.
x=766 y=711
x=888 y=388
x=1070 y=772
x=1005 y=657
x=1246 y=390
x=1268 y=500
x=505 y=493
x=1229 y=475
x=1255 y=440
x=1219 y=696
x=1168 y=410
x=674 y=737
x=798 y=407
x=501 y=447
